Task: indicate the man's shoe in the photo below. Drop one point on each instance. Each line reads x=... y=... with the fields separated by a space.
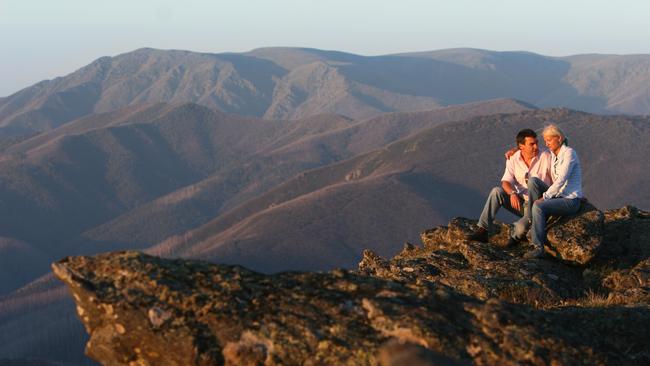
x=511 y=242
x=480 y=235
x=536 y=252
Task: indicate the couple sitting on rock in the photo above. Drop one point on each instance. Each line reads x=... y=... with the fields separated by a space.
x=536 y=184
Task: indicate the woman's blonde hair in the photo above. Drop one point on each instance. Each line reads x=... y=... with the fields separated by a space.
x=554 y=130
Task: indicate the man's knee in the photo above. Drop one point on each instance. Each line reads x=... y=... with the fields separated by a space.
x=537 y=208
x=497 y=192
x=534 y=182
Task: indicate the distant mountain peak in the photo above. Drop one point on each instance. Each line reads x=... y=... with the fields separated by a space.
x=278 y=82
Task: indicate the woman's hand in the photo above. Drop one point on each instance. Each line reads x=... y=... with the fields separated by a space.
x=510 y=152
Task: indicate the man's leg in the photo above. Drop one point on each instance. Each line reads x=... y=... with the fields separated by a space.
x=520 y=227
x=542 y=210
x=497 y=199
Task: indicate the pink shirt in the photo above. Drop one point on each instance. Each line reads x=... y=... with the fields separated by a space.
x=517 y=172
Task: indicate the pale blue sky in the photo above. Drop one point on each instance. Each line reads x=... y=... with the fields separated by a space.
x=42 y=39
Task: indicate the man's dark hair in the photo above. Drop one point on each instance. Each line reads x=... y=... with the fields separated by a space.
x=521 y=136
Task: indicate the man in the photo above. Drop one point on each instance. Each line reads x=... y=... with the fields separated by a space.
x=561 y=198
x=513 y=193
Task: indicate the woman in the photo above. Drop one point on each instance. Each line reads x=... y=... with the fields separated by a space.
x=560 y=198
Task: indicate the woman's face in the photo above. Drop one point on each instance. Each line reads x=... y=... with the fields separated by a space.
x=553 y=142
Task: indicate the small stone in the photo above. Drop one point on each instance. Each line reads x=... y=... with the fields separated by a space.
x=408 y=269
x=323 y=345
x=158 y=316
x=397 y=353
x=443 y=294
x=352 y=287
x=340 y=273
x=108 y=308
x=119 y=328
x=473 y=349
x=387 y=293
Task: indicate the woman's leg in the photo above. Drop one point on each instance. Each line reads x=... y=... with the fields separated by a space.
x=536 y=187
x=540 y=211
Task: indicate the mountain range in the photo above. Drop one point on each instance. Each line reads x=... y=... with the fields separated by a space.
x=293 y=83
x=282 y=159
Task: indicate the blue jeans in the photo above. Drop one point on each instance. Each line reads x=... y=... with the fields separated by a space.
x=497 y=199
x=542 y=210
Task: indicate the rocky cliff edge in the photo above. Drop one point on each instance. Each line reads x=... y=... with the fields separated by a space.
x=446 y=302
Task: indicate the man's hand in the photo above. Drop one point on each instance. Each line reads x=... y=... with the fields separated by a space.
x=539 y=200
x=514 y=202
x=510 y=152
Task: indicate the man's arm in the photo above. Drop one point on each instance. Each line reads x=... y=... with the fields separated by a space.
x=508 y=184
x=508 y=187
x=510 y=191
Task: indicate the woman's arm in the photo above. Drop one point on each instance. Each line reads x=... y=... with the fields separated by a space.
x=566 y=165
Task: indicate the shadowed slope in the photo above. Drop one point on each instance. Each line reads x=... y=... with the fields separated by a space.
x=19 y=263
x=444 y=171
x=136 y=113
x=75 y=180
x=59 y=184
x=38 y=321
x=289 y=155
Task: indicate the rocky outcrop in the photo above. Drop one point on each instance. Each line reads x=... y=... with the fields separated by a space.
x=447 y=302
x=573 y=239
x=576 y=238
x=483 y=271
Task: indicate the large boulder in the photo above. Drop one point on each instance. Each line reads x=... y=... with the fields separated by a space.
x=576 y=238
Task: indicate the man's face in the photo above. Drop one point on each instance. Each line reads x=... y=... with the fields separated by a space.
x=552 y=142
x=530 y=146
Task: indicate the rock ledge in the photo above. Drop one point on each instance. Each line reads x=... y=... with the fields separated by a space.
x=447 y=302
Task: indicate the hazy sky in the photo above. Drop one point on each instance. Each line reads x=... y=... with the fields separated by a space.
x=42 y=39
